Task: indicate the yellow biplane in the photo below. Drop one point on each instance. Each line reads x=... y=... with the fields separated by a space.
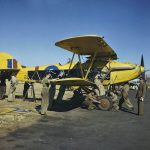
x=99 y=55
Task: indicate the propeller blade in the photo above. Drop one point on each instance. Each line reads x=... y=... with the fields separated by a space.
x=142 y=61
x=142 y=64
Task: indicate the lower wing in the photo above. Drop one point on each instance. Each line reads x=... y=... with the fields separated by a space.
x=72 y=82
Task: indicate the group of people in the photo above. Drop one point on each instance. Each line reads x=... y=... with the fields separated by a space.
x=122 y=92
x=140 y=95
x=48 y=93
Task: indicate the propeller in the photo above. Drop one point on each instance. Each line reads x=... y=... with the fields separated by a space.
x=142 y=64
x=142 y=61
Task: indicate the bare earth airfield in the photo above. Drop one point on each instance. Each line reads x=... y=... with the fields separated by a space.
x=68 y=127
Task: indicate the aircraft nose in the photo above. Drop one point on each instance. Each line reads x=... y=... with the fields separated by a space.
x=142 y=69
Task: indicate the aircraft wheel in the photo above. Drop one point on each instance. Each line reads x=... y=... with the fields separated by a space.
x=105 y=103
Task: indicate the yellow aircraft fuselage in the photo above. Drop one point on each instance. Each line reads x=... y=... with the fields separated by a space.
x=9 y=65
x=22 y=74
x=123 y=72
x=129 y=71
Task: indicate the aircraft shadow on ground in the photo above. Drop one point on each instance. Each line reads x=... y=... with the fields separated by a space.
x=66 y=105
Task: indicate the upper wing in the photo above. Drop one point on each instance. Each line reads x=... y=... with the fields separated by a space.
x=87 y=45
x=72 y=82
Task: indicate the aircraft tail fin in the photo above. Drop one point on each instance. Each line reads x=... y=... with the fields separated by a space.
x=7 y=62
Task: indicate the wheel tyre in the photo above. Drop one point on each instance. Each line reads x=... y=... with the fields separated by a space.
x=105 y=103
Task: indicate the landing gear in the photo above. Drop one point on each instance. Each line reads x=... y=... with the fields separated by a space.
x=105 y=103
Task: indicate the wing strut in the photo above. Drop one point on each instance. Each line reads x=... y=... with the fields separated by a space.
x=91 y=64
x=81 y=68
x=71 y=62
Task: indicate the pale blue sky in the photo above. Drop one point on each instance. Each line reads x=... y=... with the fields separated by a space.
x=30 y=28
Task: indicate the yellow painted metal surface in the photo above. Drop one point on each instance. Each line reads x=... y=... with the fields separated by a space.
x=66 y=66
x=72 y=82
x=87 y=45
x=22 y=75
x=122 y=75
x=4 y=57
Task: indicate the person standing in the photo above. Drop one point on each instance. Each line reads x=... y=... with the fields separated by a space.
x=125 y=97
x=90 y=101
x=140 y=96
x=100 y=88
x=25 y=90
x=45 y=95
x=114 y=98
x=12 y=90
x=2 y=87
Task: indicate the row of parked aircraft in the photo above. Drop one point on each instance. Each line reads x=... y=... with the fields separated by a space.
x=98 y=54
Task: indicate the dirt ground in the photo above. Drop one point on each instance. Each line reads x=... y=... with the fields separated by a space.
x=68 y=127
x=23 y=113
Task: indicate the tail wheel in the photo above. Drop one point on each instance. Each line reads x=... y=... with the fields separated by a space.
x=105 y=103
